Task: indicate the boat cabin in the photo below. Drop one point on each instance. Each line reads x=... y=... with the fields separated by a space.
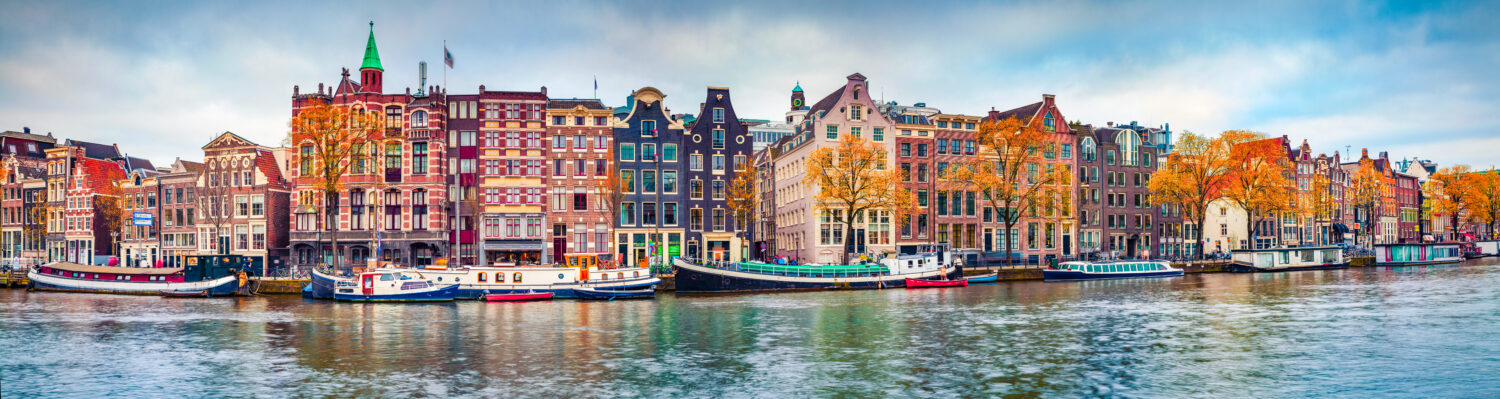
x=1288 y=258
x=1417 y=254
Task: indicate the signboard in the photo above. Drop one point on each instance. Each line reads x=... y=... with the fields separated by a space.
x=140 y=219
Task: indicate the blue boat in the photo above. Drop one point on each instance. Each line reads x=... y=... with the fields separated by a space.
x=1109 y=270
x=987 y=278
x=392 y=286
x=933 y=262
x=591 y=293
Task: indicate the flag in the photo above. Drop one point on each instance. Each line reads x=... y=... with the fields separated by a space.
x=447 y=57
x=596 y=82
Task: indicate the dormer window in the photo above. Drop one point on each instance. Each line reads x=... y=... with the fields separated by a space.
x=718 y=115
x=856 y=112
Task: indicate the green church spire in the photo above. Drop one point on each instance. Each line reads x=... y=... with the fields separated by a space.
x=372 y=56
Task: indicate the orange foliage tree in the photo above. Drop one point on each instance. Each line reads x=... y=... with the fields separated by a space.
x=1483 y=190
x=1445 y=195
x=743 y=199
x=1368 y=190
x=1193 y=176
x=1258 y=182
x=852 y=181
x=1008 y=174
x=612 y=194
x=330 y=139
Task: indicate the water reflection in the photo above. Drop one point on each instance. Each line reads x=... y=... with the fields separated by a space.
x=1356 y=332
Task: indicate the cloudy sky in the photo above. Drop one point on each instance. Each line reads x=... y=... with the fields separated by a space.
x=161 y=78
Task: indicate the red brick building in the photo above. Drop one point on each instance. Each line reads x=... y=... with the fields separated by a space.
x=246 y=197
x=579 y=136
x=394 y=204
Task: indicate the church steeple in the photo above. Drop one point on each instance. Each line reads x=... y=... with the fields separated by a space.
x=370 y=72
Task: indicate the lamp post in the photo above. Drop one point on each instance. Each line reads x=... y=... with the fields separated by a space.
x=114 y=238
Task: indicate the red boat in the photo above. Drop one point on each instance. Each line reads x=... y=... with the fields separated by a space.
x=915 y=283
x=542 y=296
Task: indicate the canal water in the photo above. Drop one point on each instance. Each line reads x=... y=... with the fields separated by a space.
x=1376 y=332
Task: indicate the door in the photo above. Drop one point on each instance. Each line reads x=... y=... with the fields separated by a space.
x=859 y=241
x=989 y=240
x=368 y=285
x=559 y=247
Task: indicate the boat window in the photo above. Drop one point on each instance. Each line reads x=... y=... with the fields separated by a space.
x=1307 y=256
x=481 y=277
x=620 y=275
x=387 y=277
x=516 y=277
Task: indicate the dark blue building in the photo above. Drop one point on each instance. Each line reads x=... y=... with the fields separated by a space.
x=716 y=145
x=648 y=148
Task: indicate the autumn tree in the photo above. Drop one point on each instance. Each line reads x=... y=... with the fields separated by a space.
x=111 y=206
x=612 y=193
x=329 y=140
x=1317 y=203
x=215 y=207
x=1366 y=191
x=1484 y=198
x=1257 y=181
x=852 y=180
x=1008 y=173
x=1445 y=195
x=743 y=199
x=1193 y=176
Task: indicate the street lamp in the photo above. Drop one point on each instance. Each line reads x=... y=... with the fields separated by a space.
x=114 y=237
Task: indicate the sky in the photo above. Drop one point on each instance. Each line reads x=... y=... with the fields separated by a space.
x=161 y=78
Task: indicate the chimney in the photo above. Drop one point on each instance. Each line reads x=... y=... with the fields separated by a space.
x=294 y=90
x=320 y=89
x=544 y=90
x=1382 y=155
x=1109 y=124
x=481 y=89
x=1133 y=123
x=25 y=129
x=1364 y=153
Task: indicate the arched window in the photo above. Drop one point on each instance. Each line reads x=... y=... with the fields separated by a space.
x=1087 y=149
x=419 y=119
x=1130 y=147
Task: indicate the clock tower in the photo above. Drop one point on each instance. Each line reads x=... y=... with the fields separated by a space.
x=798 y=102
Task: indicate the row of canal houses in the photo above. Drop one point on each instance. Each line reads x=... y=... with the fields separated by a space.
x=515 y=177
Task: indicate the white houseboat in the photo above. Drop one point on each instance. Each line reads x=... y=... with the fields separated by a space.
x=1287 y=259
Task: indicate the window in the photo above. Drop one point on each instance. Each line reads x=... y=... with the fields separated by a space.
x=580 y=201
x=879 y=134
x=669 y=214
x=258 y=205
x=854 y=131
x=833 y=132
x=306 y=161
x=695 y=189
x=419 y=209
x=856 y=111
x=648 y=152
x=419 y=119
x=627 y=213
x=669 y=181
x=905 y=149
x=627 y=179
x=718 y=219
x=648 y=181
x=718 y=139
x=921 y=150
x=695 y=162
x=466 y=139
x=942 y=146
x=392 y=202
x=648 y=213
x=718 y=189
x=627 y=152
x=718 y=162
x=599 y=121
x=718 y=115
x=557 y=120
x=419 y=158
x=648 y=128
x=669 y=152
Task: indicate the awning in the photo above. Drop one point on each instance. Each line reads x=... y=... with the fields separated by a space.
x=513 y=245
x=1340 y=228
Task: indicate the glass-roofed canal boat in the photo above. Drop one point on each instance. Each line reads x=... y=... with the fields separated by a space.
x=932 y=263
x=1109 y=270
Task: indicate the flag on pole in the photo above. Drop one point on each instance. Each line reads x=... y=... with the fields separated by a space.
x=447 y=56
x=596 y=82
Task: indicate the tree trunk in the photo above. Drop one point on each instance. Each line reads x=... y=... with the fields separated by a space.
x=1005 y=236
x=848 y=241
x=1198 y=241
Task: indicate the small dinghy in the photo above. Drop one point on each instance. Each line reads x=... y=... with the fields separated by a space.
x=185 y=294
x=985 y=278
x=915 y=283
x=589 y=293
x=536 y=296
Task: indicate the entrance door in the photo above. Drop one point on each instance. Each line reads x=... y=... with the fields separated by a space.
x=559 y=248
x=1130 y=246
x=368 y=285
x=1067 y=245
x=989 y=240
x=859 y=241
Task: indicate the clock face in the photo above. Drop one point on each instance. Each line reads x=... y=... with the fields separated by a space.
x=796 y=102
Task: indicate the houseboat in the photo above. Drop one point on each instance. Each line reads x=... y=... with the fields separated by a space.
x=392 y=286
x=474 y=282
x=1109 y=270
x=1287 y=259
x=209 y=280
x=1488 y=248
x=1417 y=254
x=930 y=263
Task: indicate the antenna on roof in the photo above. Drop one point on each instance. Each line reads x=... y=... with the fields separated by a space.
x=422 y=75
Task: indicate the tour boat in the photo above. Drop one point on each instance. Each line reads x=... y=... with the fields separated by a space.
x=73 y=277
x=392 y=286
x=1287 y=259
x=916 y=283
x=1417 y=254
x=932 y=262
x=1109 y=270
x=538 y=296
x=984 y=278
x=593 y=293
